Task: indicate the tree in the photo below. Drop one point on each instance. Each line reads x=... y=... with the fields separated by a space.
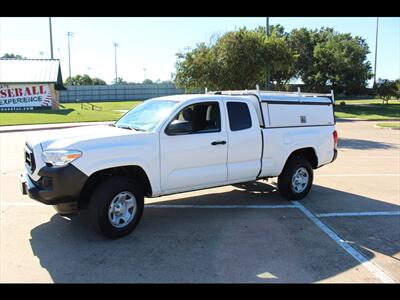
x=398 y=88
x=147 y=81
x=98 y=81
x=386 y=89
x=328 y=58
x=167 y=82
x=84 y=80
x=119 y=80
x=237 y=60
x=79 y=80
x=11 y=55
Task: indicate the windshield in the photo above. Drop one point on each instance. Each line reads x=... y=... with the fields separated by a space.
x=147 y=115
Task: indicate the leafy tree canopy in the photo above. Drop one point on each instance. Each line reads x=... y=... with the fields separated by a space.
x=83 y=80
x=240 y=59
x=119 y=80
x=386 y=89
x=12 y=55
x=237 y=60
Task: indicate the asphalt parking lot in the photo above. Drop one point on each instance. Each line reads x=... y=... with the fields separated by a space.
x=346 y=230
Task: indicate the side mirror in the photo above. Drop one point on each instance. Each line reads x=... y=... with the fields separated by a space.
x=179 y=127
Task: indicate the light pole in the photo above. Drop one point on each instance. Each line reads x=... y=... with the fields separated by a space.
x=115 y=48
x=376 y=49
x=51 y=39
x=268 y=75
x=144 y=74
x=69 y=34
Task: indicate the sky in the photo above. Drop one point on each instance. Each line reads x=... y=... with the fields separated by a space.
x=148 y=45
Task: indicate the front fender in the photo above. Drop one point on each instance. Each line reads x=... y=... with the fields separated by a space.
x=144 y=155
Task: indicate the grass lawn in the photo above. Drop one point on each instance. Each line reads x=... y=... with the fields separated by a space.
x=368 y=109
x=389 y=125
x=69 y=112
x=365 y=101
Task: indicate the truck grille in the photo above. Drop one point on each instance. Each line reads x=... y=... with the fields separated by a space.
x=29 y=159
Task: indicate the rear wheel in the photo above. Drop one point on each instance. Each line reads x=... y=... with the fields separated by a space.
x=296 y=179
x=116 y=207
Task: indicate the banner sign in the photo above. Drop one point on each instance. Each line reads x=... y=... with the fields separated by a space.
x=14 y=97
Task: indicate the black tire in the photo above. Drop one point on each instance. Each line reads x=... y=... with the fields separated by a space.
x=100 y=202
x=292 y=166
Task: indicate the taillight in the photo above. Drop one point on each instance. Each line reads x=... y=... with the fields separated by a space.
x=335 y=138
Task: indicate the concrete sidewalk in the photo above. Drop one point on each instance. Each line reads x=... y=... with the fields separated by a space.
x=18 y=128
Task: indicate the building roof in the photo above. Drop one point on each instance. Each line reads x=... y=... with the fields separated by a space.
x=30 y=71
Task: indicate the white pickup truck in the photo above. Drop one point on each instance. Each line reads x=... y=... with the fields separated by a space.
x=181 y=143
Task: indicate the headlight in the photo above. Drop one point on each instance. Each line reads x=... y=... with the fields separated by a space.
x=60 y=157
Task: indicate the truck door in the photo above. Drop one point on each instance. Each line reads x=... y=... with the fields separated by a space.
x=193 y=148
x=244 y=141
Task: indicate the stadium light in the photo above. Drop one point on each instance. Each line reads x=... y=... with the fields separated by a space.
x=51 y=39
x=376 y=49
x=115 y=48
x=69 y=34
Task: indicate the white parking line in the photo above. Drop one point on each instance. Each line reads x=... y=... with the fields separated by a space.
x=355 y=175
x=215 y=206
x=359 y=214
x=373 y=268
x=167 y=205
x=368 y=157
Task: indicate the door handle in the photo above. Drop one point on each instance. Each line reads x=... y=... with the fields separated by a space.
x=218 y=143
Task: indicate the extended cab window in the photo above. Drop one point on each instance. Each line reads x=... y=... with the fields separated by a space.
x=239 y=116
x=196 y=118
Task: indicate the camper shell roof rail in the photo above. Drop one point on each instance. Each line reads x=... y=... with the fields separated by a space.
x=267 y=94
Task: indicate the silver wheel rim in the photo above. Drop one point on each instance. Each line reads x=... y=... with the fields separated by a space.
x=122 y=209
x=300 y=180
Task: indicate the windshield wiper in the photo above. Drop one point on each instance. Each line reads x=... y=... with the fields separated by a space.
x=137 y=129
x=125 y=127
x=130 y=128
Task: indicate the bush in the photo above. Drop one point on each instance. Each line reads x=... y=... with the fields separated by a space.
x=386 y=89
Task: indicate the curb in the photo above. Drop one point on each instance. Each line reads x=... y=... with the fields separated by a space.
x=369 y=120
x=390 y=128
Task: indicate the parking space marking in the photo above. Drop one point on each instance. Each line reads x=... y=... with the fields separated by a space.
x=367 y=157
x=354 y=175
x=369 y=265
x=215 y=206
x=167 y=205
x=373 y=268
x=359 y=214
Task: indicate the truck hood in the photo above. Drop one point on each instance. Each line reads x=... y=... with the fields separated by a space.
x=72 y=138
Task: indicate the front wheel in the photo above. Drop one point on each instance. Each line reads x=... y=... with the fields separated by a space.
x=116 y=207
x=296 y=179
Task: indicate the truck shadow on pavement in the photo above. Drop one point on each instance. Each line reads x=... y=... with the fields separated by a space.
x=364 y=144
x=191 y=245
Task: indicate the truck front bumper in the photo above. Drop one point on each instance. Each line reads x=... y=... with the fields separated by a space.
x=56 y=186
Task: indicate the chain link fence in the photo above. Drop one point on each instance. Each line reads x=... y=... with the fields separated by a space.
x=119 y=92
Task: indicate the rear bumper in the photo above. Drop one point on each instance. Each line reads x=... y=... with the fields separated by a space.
x=55 y=186
x=335 y=153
